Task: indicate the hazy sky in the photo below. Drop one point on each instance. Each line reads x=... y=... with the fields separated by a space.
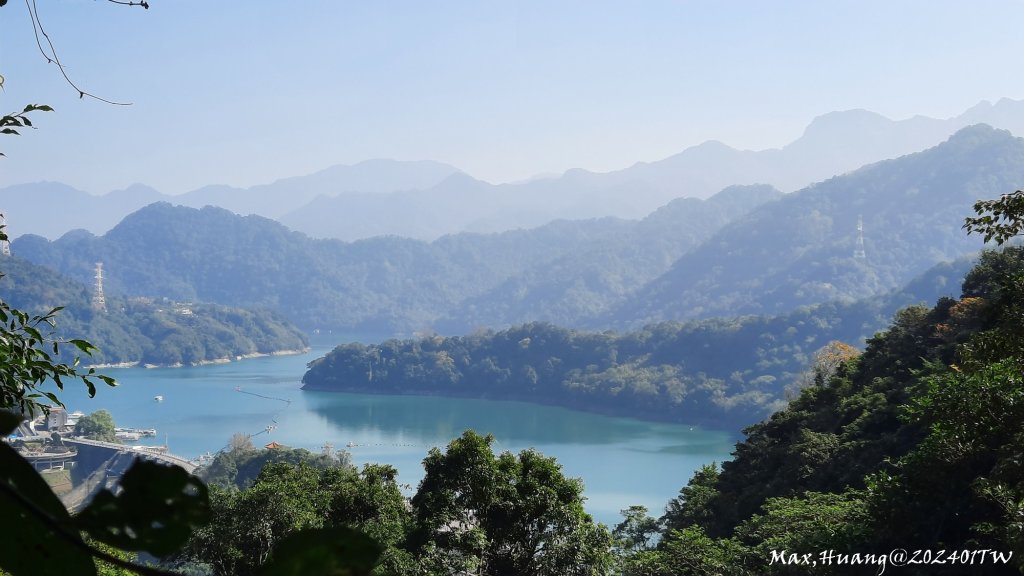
x=241 y=93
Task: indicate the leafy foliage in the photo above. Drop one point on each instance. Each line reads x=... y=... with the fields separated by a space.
x=240 y=466
x=156 y=510
x=1000 y=219
x=10 y=123
x=96 y=426
x=37 y=545
x=507 y=514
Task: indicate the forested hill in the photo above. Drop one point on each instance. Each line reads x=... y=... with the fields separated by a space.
x=384 y=285
x=915 y=445
x=724 y=373
x=588 y=282
x=143 y=330
x=800 y=250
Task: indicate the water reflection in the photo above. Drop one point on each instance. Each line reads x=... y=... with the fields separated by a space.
x=621 y=461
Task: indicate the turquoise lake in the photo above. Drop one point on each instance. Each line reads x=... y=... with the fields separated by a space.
x=621 y=461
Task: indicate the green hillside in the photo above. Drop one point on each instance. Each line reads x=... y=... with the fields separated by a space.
x=800 y=249
x=384 y=285
x=143 y=330
x=915 y=445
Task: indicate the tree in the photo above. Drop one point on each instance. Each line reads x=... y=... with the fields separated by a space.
x=693 y=505
x=637 y=530
x=241 y=442
x=1000 y=219
x=505 y=515
x=97 y=426
x=827 y=361
x=689 y=552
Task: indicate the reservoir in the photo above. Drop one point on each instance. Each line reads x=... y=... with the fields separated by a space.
x=622 y=461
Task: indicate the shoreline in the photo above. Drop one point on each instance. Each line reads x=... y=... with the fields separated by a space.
x=223 y=360
x=718 y=421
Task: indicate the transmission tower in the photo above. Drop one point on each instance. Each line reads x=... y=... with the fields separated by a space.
x=858 y=252
x=5 y=246
x=99 y=303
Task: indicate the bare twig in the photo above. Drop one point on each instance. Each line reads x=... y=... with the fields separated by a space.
x=143 y=3
x=51 y=57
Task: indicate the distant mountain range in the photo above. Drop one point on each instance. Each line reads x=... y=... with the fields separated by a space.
x=747 y=250
x=384 y=285
x=426 y=200
x=29 y=208
x=800 y=249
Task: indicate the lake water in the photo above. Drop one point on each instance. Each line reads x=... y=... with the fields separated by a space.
x=621 y=461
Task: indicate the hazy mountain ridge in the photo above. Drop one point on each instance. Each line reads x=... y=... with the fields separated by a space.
x=784 y=253
x=381 y=285
x=29 y=207
x=799 y=250
x=426 y=199
x=833 y=144
x=582 y=285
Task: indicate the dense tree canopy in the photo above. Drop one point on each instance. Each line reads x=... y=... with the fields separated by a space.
x=96 y=426
x=914 y=444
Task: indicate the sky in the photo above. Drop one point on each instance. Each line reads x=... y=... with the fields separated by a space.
x=244 y=93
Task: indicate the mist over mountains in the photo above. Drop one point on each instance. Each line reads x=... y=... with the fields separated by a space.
x=426 y=200
x=747 y=250
x=382 y=285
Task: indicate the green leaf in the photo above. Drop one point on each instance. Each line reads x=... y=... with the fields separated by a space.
x=32 y=514
x=156 y=511
x=82 y=345
x=338 y=551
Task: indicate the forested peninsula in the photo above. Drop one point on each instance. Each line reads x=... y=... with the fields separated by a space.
x=144 y=331
x=723 y=373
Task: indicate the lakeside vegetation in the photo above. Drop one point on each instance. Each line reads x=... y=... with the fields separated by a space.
x=147 y=331
x=725 y=373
